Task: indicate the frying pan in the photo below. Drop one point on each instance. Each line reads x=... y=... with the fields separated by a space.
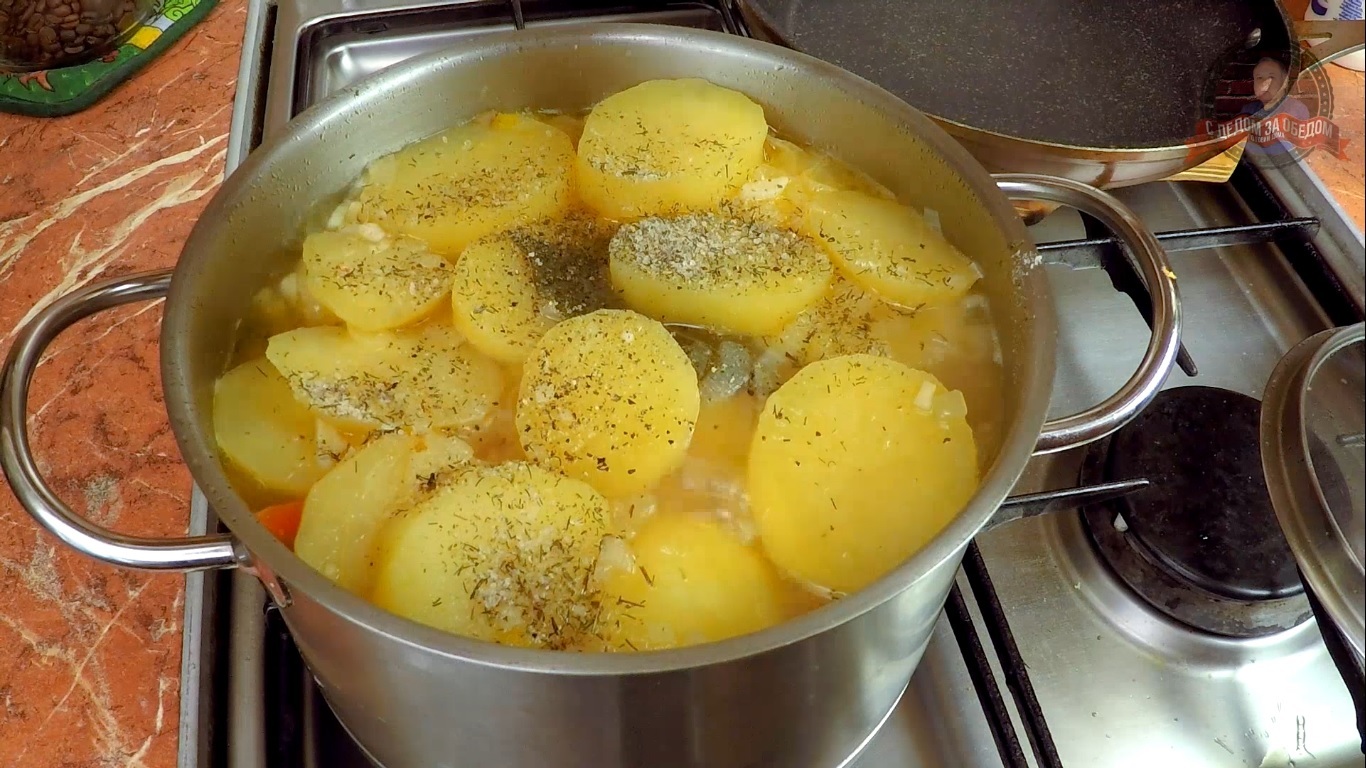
x=1103 y=92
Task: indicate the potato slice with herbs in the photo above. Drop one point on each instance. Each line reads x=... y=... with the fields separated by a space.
x=470 y=181
x=511 y=288
x=422 y=379
x=725 y=273
x=345 y=510
x=668 y=147
x=572 y=125
x=495 y=301
x=815 y=171
x=843 y=322
x=954 y=343
x=435 y=457
x=372 y=281
x=957 y=344
x=888 y=248
x=609 y=398
x=776 y=190
x=691 y=582
x=506 y=553
x=264 y=431
x=857 y=462
x=711 y=480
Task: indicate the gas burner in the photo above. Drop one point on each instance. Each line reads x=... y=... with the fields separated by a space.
x=1201 y=544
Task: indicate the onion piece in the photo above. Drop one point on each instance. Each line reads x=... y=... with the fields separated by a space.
x=932 y=220
x=728 y=373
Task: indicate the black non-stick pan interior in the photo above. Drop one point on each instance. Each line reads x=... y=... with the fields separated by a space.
x=1084 y=73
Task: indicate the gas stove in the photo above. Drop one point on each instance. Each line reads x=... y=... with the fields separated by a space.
x=1104 y=636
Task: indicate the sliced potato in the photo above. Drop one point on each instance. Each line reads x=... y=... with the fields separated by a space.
x=691 y=582
x=374 y=282
x=711 y=481
x=294 y=288
x=814 y=171
x=572 y=125
x=957 y=343
x=668 y=147
x=495 y=300
x=494 y=439
x=452 y=386
x=421 y=379
x=887 y=248
x=724 y=428
x=264 y=431
x=505 y=553
x=470 y=181
x=725 y=273
x=776 y=190
x=435 y=457
x=609 y=398
x=857 y=462
x=346 y=508
x=843 y=322
x=511 y=288
x=271 y=312
x=338 y=376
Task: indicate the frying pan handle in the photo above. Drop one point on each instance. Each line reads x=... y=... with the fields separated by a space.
x=1147 y=254
x=16 y=454
x=1343 y=37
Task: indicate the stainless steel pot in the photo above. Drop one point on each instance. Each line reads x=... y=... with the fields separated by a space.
x=807 y=693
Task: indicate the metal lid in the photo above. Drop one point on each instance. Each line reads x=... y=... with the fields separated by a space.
x=1313 y=416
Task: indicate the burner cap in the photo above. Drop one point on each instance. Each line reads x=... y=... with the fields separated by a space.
x=1207 y=515
x=1201 y=543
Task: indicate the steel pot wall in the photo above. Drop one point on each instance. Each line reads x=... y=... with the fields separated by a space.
x=806 y=693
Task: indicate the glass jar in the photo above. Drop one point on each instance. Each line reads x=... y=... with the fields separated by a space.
x=48 y=34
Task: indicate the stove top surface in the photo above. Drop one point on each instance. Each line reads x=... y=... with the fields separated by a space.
x=1088 y=671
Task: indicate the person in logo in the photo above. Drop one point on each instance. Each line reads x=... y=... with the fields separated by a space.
x=1271 y=86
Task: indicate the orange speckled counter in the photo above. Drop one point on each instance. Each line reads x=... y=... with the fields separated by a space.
x=1344 y=176
x=89 y=673
x=89 y=654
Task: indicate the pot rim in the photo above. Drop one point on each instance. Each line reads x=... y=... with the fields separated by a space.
x=200 y=453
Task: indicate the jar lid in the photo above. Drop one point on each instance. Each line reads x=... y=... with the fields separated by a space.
x=1313 y=418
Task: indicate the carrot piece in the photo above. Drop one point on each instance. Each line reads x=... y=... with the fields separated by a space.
x=283 y=520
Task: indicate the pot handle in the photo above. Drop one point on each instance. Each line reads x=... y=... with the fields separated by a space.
x=1146 y=252
x=16 y=455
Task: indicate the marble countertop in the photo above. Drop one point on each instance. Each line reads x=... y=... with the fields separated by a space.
x=90 y=671
x=90 y=667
